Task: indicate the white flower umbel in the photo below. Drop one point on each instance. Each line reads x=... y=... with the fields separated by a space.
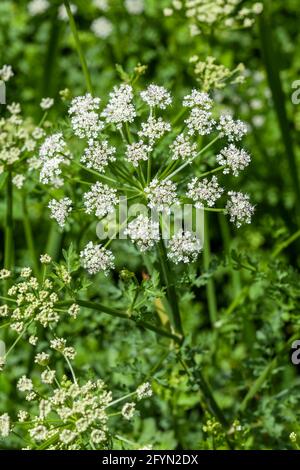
x=200 y=122
x=134 y=7
x=85 y=120
x=18 y=181
x=136 y=152
x=239 y=208
x=184 y=247
x=101 y=199
x=161 y=195
x=204 y=191
x=198 y=98
x=46 y=103
x=4 y=425
x=96 y=258
x=120 y=108
x=101 y=4
x=128 y=411
x=6 y=72
x=157 y=96
x=98 y=154
x=102 y=27
x=143 y=231
x=182 y=147
x=60 y=210
x=233 y=129
x=37 y=7
x=53 y=153
x=144 y=391
x=154 y=128
x=234 y=159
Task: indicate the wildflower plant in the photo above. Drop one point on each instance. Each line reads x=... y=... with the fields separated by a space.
x=136 y=148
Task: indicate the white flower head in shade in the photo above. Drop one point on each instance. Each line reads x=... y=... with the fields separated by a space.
x=128 y=411
x=198 y=98
x=136 y=152
x=156 y=95
x=154 y=128
x=101 y=199
x=200 y=122
x=101 y=4
x=234 y=159
x=239 y=208
x=184 y=247
x=102 y=27
x=37 y=7
x=18 y=181
x=233 y=129
x=6 y=72
x=161 y=195
x=204 y=191
x=182 y=147
x=85 y=120
x=46 y=103
x=60 y=210
x=134 y=7
x=144 y=391
x=143 y=231
x=53 y=153
x=96 y=258
x=4 y=425
x=120 y=108
x=98 y=154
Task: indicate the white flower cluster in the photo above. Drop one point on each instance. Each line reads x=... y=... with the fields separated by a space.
x=153 y=129
x=60 y=210
x=184 y=247
x=102 y=27
x=96 y=258
x=120 y=108
x=234 y=159
x=85 y=120
x=53 y=153
x=239 y=208
x=224 y=13
x=183 y=148
x=37 y=7
x=157 y=96
x=134 y=7
x=98 y=154
x=200 y=121
x=101 y=199
x=4 y=425
x=234 y=130
x=204 y=191
x=137 y=152
x=143 y=231
x=161 y=195
x=46 y=103
x=6 y=73
x=199 y=99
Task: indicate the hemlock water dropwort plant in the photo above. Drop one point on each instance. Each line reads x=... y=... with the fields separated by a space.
x=133 y=146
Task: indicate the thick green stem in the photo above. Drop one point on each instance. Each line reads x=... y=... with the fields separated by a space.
x=210 y=287
x=51 y=75
x=116 y=313
x=169 y=284
x=84 y=66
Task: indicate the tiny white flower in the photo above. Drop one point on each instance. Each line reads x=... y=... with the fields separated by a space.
x=144 y=391
x=183 y=148
x=198 y=98
x=234 y=130
x=120 y=108
x=101 y=199
x=102 y=27
x=157 y=96
x=128 y=411
x=137 y=152
x=143 y=231
x=98 y=154
x=233 y=159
